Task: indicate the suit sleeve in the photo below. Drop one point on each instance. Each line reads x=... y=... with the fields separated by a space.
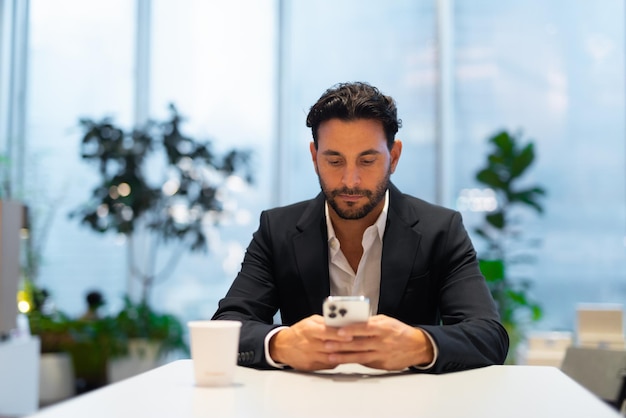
x=470 y=334
x=252 y=299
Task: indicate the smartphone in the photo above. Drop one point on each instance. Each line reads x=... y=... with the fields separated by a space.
x=339 y=311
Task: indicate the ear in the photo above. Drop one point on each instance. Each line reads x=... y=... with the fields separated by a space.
x=313 y=155
x=395 y=153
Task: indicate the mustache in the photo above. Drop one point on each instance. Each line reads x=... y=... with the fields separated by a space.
x=351 y=192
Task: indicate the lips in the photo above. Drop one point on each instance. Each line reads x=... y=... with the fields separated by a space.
x=351 y=197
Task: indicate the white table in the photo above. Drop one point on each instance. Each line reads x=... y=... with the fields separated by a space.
x=496 y=391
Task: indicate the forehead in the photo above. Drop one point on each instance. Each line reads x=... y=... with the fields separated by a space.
x=356 y=134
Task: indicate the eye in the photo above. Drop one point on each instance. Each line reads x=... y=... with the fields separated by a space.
x=335 y=162
x=368 y=161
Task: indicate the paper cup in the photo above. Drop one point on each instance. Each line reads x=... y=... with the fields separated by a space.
x=214 y=347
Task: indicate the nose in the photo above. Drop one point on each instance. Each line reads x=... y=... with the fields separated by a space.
x=351 y=176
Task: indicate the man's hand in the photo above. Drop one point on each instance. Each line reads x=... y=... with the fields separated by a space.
x=381 y=343
x=302 y=345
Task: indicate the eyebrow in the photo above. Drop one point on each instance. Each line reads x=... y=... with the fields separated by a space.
x=363 y=153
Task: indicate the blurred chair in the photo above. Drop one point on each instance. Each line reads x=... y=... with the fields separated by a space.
x=600 y=326
x=599 y=370
x=547 y=348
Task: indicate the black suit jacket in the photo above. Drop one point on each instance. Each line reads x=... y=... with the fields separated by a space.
x=430 y=278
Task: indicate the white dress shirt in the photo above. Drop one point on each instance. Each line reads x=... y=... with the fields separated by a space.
x=344 y=281
x=366 y=280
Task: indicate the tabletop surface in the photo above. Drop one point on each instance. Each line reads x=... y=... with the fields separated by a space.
x=349 y=390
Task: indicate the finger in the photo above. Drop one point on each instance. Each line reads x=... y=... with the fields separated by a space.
x=358 y=344
x=351 y=357
x=376 y=326
x=318 y=319
x=335 y=334
x=315 y=365
x=361 y=330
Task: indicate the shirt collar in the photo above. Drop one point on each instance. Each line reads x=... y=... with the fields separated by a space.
x=380 y=223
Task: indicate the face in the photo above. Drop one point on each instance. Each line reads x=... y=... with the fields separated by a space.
x=354 y=165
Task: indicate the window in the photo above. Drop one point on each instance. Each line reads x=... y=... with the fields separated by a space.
x=388 y=44
x=220 y=76
x=244 y=73
x=554 y=70
x=216 y=62
x=81 y=64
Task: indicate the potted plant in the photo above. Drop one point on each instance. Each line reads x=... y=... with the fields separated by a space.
x=74 y=351
x=57 y=377
x=173 y=210
x=146 y=337
x=507 y=163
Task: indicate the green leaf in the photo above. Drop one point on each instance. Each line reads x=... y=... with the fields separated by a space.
x=504 y=142
x=522 y=161
x=529 y=197
x=493 y=270
x=496 y=219
x=490 y=178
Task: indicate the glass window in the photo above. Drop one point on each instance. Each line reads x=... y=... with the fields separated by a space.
x=216 y=62
x=554 y=71
x=388 y=44
x=81 y=64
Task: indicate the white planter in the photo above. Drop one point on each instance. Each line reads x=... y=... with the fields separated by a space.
x=19 y=376
x=56 y=378
x=142 y=356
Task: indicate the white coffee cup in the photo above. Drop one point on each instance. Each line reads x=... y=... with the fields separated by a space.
x=214 y=347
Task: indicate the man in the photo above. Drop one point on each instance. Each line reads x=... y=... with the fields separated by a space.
x=432 y=310
x=95 y=301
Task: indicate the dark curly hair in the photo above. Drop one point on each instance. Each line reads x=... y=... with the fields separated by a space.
x=351 y=101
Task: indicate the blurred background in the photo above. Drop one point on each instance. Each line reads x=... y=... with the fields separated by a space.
x=243 y=74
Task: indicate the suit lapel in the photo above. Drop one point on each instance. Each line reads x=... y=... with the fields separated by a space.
x=400 y=245
x=311 y=252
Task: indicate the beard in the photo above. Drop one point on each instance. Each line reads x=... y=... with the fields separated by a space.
x=374 y=197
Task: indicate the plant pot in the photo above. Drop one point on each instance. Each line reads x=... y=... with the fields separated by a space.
x=56 y=378
x=143 y=355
